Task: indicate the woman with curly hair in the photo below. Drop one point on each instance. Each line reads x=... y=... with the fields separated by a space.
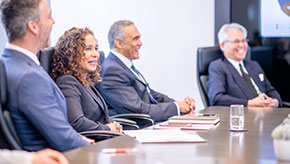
x=76 y=70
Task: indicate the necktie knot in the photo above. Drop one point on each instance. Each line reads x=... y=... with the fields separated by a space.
x=135 y=70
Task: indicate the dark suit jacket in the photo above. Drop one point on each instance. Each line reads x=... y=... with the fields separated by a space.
x=86 y=111
x=125 y=93
x=226 y=86
x=37 y=106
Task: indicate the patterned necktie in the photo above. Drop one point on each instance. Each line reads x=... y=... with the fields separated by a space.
x=147 y=86
x=247 y=78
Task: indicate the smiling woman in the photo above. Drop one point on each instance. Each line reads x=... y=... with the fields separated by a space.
x=76 y=70
x=73 y=52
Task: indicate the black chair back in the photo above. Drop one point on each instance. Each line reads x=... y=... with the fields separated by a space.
x=8 y=130
x=45 y=58
x=205 y=55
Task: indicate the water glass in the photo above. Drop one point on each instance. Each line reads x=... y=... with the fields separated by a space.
x=237 y=117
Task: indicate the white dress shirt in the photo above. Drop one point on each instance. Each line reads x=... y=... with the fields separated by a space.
x=16 y=156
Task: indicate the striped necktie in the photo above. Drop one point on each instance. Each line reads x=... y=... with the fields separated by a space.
x=247 y=78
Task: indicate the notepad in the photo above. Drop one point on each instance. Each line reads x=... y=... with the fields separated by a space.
x=164 y=136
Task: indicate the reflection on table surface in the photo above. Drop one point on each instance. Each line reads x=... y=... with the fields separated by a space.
x=223 y=146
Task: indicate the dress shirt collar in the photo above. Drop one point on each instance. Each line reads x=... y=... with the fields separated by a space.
x=123 y=58
x=236 y=65
x=127 y=62
x=31 y=55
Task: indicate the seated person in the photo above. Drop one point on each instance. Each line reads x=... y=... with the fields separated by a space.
x=75 y=68
x=123 y=86
x=36 y=104
x=236 y=80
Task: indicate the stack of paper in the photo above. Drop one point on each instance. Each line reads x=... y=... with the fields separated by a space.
x=194 y=119
x=164 y=136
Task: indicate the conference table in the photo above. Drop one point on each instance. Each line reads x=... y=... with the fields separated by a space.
x=222 y=146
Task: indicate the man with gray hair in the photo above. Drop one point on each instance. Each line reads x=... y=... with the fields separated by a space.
x=36 y=104
x=236 y=80
x=123 y=86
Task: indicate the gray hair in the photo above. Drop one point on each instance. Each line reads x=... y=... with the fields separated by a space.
x=223 y=32
x=116 y=32
x=15 y=14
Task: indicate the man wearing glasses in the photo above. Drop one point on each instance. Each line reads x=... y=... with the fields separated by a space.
x=236 y=80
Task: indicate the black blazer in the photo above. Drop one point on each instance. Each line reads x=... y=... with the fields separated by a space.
x=86 y=109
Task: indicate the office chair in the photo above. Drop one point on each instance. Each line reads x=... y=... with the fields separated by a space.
x=281 y=75
x=264 y=56
x=205 y=55
x=7 y=126
x=128 y=121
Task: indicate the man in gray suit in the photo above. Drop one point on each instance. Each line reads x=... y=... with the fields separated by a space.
x=37 y=106
x=123 y=86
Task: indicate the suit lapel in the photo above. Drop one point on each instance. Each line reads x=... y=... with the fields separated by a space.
x=115 y=58
x=252 y=72
x=238 y=79
x=99 y=100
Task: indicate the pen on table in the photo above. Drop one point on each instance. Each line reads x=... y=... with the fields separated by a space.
x=206 y=114
x=120 y=150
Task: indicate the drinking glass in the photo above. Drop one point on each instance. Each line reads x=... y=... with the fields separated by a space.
x=237 y=117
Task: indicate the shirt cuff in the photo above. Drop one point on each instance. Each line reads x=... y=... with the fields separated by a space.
x=177 y=107
x=16 y=156
x=277 y=103
x=30 y=157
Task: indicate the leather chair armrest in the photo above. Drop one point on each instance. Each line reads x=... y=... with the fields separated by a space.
x=127 y=124
x=99 y=135
x=286 y=104
x=142 y=120
x=129 y=115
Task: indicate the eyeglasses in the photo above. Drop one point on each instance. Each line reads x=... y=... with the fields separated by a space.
x=237 y=41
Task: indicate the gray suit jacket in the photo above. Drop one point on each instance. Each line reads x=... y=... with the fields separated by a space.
x=125 y=93
x=37 y=106
x=86 y=109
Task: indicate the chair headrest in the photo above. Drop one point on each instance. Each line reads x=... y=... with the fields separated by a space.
x=45 y=58
x=3 y=83
x=205 y=55
x=102 y=57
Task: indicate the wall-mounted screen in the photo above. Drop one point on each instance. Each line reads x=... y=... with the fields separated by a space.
x=275 y=18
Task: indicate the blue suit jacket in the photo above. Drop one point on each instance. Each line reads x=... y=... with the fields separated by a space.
x=226 y=86
x=37 y=106
x=125 y=93
x=86 y=111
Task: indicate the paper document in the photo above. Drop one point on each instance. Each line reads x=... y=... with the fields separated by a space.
x=164 y=136
x=165 y=125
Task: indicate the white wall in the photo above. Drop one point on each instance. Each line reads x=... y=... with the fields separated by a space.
x=171 y=32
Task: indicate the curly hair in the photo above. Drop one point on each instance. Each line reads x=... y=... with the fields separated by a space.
x=68 y=54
